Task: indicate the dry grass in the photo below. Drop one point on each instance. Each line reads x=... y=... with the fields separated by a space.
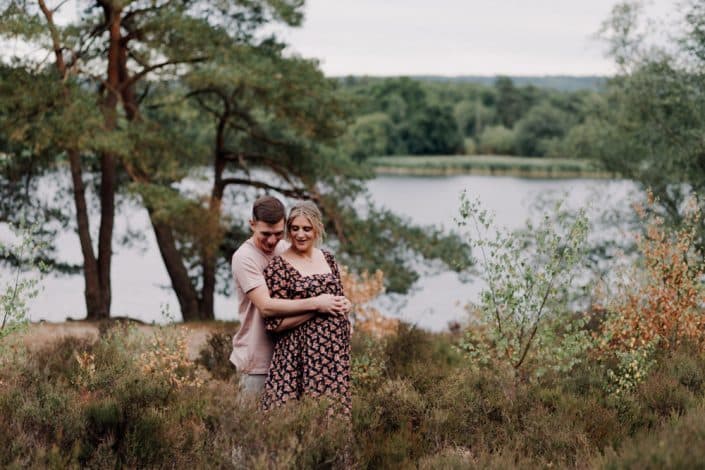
x=40 y=334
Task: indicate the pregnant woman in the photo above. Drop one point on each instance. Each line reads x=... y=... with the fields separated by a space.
x=312 y=359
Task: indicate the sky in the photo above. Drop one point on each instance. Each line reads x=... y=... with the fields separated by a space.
x=458 y=37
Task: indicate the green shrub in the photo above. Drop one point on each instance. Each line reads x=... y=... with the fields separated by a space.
x=678 y=443
x=523 y=320
x=215 y=356
x=387 y=423
x=424 y=408
x=497 y=140
x=470 y=146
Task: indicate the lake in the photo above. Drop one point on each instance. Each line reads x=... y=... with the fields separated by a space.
x=141 y=285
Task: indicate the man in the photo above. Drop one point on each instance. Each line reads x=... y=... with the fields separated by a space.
x=252 y=348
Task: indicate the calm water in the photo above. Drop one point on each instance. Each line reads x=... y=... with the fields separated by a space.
x=141 y=285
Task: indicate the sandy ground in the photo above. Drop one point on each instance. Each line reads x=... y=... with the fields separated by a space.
x=42 y=333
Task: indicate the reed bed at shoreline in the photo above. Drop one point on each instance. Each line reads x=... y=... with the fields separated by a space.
x=496 y=165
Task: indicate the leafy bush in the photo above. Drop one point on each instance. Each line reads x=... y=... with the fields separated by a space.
x=657 y=304
x=470 y=147
x=539 y=127
x=19 y=288
x=497 y=140
x=523 y=318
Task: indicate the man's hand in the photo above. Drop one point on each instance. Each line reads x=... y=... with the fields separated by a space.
x=335 y=304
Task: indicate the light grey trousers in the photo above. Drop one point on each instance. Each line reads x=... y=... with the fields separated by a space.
x=252 y=384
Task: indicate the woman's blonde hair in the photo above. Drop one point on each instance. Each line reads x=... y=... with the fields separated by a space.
x=309 y=210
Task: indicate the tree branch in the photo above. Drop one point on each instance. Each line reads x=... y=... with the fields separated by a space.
x=298 y=193
x=55 y=40
x=138 y=76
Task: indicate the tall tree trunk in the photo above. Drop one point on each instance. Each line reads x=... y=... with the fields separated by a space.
x=108 y=166
x=94 y=271
x=94 y=305
x=209 y=254
x=180 y=281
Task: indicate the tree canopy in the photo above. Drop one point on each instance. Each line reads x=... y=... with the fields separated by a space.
x=136 y=97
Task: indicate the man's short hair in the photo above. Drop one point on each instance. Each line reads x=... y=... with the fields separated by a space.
x=268 y=209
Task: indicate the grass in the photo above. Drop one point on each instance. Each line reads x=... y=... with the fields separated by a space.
x=416 y=403
x=498 y=165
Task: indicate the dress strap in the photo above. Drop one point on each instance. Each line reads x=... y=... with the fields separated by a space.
x=330 y=259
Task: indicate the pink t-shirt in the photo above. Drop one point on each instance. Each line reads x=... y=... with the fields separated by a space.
x=252 y=348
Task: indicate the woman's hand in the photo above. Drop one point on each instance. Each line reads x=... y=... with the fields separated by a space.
x=333 y=304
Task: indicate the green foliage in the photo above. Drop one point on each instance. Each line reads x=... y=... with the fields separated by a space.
x=415 y=125
x=546 y=116
x=19 y=288
x=653 y=132
x=541 y=125
x=430 y=131
x=497 y=140
x=472 y=116
x=512 y=102
x=396 y=243
x=523 y=317
x=370 y=135
x=368 y=364
x=429 y=409
x=470 y=147
x=584 y=141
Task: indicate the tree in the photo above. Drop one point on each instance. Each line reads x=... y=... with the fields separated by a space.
x=538 y=127
x=369 y=135
x=654 y=130
x=128 y=42
x=431 y=130
x=472 y=117
x=184 y=86
x=498 y=140
x=512 y=102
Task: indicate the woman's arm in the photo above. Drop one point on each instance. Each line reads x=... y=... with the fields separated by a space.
x=278 y=307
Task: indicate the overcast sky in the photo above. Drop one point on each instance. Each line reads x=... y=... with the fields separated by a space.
x=458 y=37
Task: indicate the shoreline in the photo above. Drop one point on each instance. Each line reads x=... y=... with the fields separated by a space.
x=517 y=172
x=488 y=165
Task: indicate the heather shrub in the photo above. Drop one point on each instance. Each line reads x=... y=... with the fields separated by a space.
x=469 y=409
x=64 y=415
x=74 y=403
x=677 y=443
x=387 y=423
x=368 y=367
x=301 y=435
x=214 y=356
x=418 y=356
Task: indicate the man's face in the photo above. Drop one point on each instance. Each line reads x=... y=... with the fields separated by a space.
x=266 y=236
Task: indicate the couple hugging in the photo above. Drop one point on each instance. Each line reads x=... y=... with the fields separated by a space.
x=294 y=337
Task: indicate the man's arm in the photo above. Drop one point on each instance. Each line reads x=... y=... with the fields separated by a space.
x=282 y=308
x=292 y=322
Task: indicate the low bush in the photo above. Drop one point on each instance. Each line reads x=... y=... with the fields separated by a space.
x=215 y=355
x=417 y=403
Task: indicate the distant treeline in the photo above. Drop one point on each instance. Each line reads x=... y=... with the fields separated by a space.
x=551 y=82
x=527 y=116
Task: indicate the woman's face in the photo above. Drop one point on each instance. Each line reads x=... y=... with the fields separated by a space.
x=302 y=234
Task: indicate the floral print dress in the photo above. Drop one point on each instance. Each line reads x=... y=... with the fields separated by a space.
x=312 y=359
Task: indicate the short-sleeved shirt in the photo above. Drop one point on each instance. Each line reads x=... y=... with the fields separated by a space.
x=252 y=347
